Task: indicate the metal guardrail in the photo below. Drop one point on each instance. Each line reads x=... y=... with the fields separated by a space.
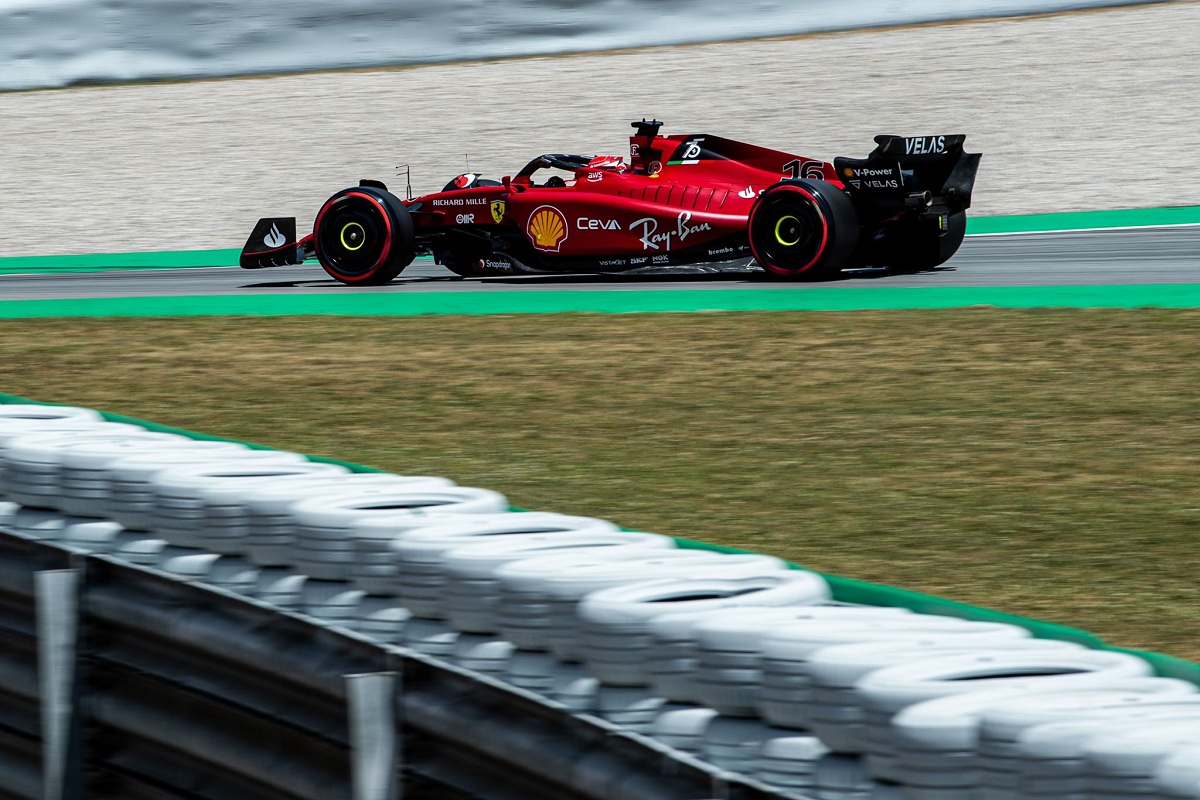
x=175 y=689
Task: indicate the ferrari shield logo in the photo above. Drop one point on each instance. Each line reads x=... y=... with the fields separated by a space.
x=498 y=209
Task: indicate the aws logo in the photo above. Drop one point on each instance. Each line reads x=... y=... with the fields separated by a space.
x=547 y=228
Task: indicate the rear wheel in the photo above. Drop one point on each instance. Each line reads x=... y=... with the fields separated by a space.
x=364 y=236
x=803 y=229
x=922 y=245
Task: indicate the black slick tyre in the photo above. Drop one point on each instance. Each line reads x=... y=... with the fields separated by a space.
x=803 y=230
x=364 y=236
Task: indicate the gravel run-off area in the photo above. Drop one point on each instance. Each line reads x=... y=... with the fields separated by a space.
x=1088 y=110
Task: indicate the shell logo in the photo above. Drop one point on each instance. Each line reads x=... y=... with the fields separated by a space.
x=547 y=228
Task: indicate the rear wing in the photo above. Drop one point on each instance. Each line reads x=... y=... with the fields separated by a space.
x=926 y=173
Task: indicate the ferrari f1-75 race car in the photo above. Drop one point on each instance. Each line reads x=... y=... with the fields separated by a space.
x=679 y=200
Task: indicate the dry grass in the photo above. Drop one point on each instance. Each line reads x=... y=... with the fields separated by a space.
x=1039 y=462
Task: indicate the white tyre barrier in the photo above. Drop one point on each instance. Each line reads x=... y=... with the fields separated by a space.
x=37 y=523
x=331 y=602
x=281 y=590
x=271 y=529
x=210 y=568
x=411 y=564
x=994 y=733
x=147 y=550
x=383 y=621
x=885 y=692
x=230 y=505
x=472 y=591
x=787 y=697
x=19 y=420
x=85 y=477
x=842 y=777
x=96 y=536
x=674 y=659
x=326 y=527
x=179 y=515
x=733 y=743
x=937 y=742
x=632 y=707
x=33 y=463
x=832 y=710
x=130 y=495
x=1122 y=763
x=1056 y=759
x=483 y=653
x=1178 y=775
x=732 y=659
x=8 y=510
x=614 y=624
x=34 y=413
x=539 y=596
x=789 y=761
x=541 y=672
x=682 y=727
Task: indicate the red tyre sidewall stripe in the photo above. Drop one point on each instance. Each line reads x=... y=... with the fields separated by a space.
x=387 y=220
x=816 y=204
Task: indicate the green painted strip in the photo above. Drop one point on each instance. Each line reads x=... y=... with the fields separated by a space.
x=418 y=303
x=1085 y=220
x=100 y=262
x=107 y=262
x=181 y=259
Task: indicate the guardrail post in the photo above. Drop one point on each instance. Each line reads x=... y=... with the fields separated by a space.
x=374 y=750
x=57 y=593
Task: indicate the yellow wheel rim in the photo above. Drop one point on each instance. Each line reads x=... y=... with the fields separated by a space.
x=779 y=234
x=361 y=236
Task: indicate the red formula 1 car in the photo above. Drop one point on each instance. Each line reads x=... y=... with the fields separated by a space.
x=680 y=200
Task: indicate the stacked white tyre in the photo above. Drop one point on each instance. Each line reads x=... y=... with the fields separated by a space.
x=999 y=727
x=179 y=514
x=85 y=475
x=412 y=565
x=733 y=659
x=33 y=462
x=614 y=624
x=262 y=513
x=327 y=527
x=539 y=596
x=832 y=710
x=886 y=692
x=472 y=589
x=789 y=761
x=937 y=750
x=129 y=498
x=1178 y=775
x=1069 y=760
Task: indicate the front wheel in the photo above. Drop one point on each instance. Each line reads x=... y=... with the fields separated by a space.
x=364 y=236
x=803 y=229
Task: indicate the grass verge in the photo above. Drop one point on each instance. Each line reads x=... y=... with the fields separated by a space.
x=1039 y=462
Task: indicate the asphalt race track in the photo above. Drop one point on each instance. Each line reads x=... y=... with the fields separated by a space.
x=1169 y=255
